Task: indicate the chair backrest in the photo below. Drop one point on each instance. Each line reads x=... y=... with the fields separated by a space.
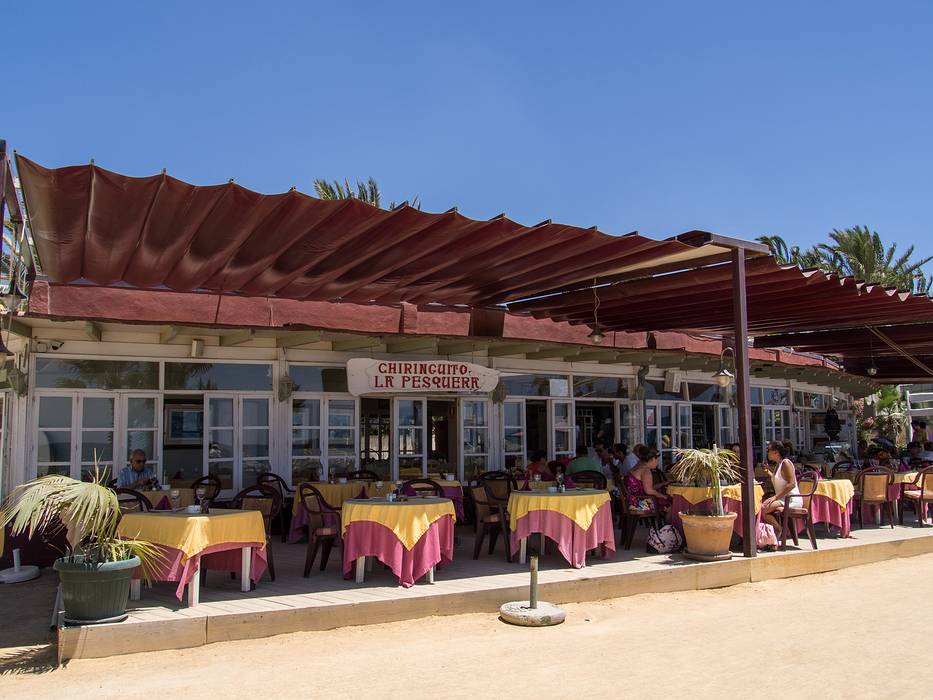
x=132 y=501
x=364 y=475
x=212 y=485
x=423 y=487
x=807 y=484
x=589 y=479
x=925 y=482
x=273 y=481
x=498 y=486
x=314 y=502
x=873 y=483
x=265 y=499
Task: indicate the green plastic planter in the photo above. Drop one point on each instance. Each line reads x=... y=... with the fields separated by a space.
x=95 y=594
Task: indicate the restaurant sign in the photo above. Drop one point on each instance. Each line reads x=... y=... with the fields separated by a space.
x=366 y=376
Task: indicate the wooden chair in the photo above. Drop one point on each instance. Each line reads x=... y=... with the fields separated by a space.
x=423 y=487
x=132 y=501
x=323 y=525
x=919 y=495
x=871 y=489
x=807 y=486
x=268 y=501
x=495 y=489
x=630 y=516
x=364 y=475
x=286 y=492
x=589 y=480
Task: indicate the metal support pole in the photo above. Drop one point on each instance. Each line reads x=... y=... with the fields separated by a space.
x=3 y=171
x=743 y=402
x=533 y=595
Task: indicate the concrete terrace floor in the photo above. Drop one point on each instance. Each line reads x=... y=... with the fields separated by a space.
x=326 y=600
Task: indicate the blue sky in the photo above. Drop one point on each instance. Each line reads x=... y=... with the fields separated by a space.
x=743 y=118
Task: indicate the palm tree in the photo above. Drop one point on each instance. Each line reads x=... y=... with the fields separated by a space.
x=365 y=192
x=858 y=252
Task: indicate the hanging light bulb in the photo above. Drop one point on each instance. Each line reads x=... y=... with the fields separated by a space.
x=596 y=335
x=724 y=377
x=871 y=370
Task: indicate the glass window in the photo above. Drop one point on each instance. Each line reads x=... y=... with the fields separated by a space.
x=536 y=385
x=706 y=393
x=318 y=379
x=54 y=373
x=341 y=436
x=514 y=434
x=776 y=397
x=214 y=376
x=654 y=389
x=601 y=387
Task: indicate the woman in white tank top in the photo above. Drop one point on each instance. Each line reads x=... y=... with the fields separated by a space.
x=784 y=480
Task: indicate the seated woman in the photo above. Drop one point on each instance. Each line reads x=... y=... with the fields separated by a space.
x=639 y=483
x=539 y=466
x=784 y=480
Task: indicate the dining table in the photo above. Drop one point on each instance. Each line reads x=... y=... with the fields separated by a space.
x=700 y=499
x=411 y=535
x=336 y=494
x=832 y=504
x=577 y=520
x=225 y=540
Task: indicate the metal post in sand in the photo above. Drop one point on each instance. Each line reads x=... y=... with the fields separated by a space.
x=532 y=612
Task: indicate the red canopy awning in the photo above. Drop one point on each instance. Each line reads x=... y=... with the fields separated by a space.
x=90 y=224
x=781 y=298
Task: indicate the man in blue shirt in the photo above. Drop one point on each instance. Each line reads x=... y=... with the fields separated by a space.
x=136 y=475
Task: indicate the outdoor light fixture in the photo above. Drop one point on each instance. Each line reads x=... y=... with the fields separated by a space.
x=724 y=377
x=871 y=370
x=596 y=335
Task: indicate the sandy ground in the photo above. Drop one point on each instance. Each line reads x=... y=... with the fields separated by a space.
x=863 y=632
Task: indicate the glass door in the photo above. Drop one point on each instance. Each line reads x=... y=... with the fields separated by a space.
x=513 y=432
x=255 y=448
x=474 y=437
x=141 y=430
x=220 y=444
x=684 y=426
x=306 y=440
x=341 y=436
x=563 y=430
x=96 y=436
x=659 y=430
x=410 y=417
x=55 y=441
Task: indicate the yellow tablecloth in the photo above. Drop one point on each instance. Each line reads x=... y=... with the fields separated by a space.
x=185 y=497
x=905 y=477
x=838 y=490
x=192 y=534
x=698 y=494
x=409 y=520
x=336 y=494
x=580 y=505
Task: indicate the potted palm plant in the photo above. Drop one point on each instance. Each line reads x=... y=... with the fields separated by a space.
x=95 y=573
x=708 y=534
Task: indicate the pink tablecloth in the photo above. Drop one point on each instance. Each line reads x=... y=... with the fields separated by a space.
x=826 y=510
x=869 y=510
x=220 y=557
x=573 y=541
x=680 y=504
x=369 y=539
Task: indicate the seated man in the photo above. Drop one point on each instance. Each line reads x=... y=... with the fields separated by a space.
x=136 y=475
x=583 y=463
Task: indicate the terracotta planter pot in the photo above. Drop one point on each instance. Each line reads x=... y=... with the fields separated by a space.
x=708 y=536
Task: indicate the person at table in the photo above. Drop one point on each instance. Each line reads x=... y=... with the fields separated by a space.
x=583 y=462
x=920 y=433
x=630 y=461
x=639 y=482
x=136 y=474
x=539 y=466
x=784 y=480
